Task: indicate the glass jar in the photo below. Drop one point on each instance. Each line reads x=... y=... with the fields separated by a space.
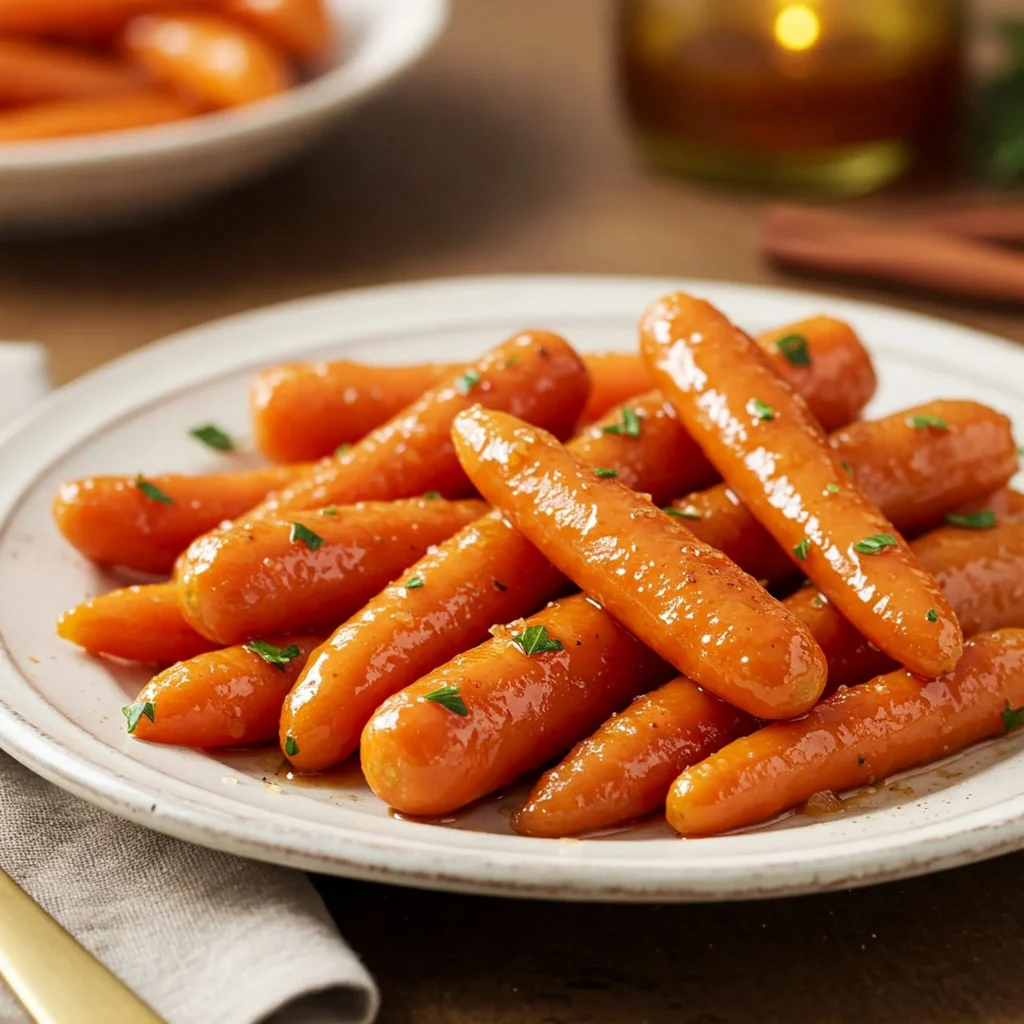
x=828 y=96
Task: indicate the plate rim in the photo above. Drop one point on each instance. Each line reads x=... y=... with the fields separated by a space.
x=929 y=847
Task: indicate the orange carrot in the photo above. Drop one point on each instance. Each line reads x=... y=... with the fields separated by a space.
x=135 y=623
x=304 y=569
x=146 y=523
x=855 y=737
x=687 y=601
x=535 y=374
x=76 y=17
x=625 y=769
x=206 y=58
x=615 y=377
x=226 y=698
x=34 y=72
x=57 y=118
x=489 y=715
x=301 y=28
x=773 y=454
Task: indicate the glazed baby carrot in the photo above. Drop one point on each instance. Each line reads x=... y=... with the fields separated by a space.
x=487 y=716
x=146 y=522
x=226 y=698
x=915 y=465
x=857 y=736
x=206 y=58
x=306 y=410
x=134 y=623
x=302 y=569
x=687 y=601
x=535 y=375
x=625 y=769
x=773 y=454
x=73 y=17
x=301 y=28
x=58 y=118
x=34 y=72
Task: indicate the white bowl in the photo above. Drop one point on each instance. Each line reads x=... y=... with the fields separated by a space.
x=92 y=181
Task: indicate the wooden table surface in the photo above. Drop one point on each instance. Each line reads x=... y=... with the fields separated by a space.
x=504 y=152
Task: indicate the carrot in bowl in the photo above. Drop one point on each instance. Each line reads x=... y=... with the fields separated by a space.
x=36 y=72
x=302 y=28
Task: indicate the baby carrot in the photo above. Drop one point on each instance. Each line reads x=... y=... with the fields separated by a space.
x=625 y=769
x=687 y=601
x=34 y=72
x=301 y=28
x=306 y=410
x=57 y=118
x=913 y=473
x=487 y=716
x=226 y=698
x=146 y=522
x=206 y=58
x=535 y=375
x=298 y=570
x=772 y=453
x=74 y=17
x=857 y=736
x=134 y=623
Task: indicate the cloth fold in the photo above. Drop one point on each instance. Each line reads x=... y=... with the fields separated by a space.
x=203 y=937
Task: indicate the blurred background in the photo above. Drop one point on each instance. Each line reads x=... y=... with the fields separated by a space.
x=637 y=136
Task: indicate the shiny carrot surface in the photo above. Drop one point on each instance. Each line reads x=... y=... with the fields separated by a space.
x=206 y=58
x=295 y=571
x=913 y=474
x=857 y=736
x=34 y=72
x=134 y=623
x=145 y=523
x=535 y=375
x=302 y=28
x=625 y=769
x=770 y=450
x=687 y=601
x=487 y=716
x=75 y=17
x=226 y=698
x=94 y=114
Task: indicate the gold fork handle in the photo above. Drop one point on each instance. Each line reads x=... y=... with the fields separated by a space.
x=56 y=979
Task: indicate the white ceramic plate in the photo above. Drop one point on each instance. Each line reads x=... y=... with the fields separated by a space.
x=116 y=177
x=59 y=710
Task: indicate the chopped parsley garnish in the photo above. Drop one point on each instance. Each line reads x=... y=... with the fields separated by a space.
x=535 y=640
x=151 y=491
x=213 y=437
x=794 y=349
x=817 y=601
x=876 y=544
x=306 y=535
x=512 y=361
x=449 y=698
x=291 y=748
x=329 y=511
x=342 y=448
x=628 y=425
x=605 y=473
x=1013 y=718
x=468 y=381
x=134 y=713
x=276 y=656
x=802 y=549
x=983 y=520
x=833 y=488
x=413 y=583
x=924 y=422
x=846 y=466
x=760 y=410
x=861 y=759
x=682 y=513
x=432 y=495
x=932 y=615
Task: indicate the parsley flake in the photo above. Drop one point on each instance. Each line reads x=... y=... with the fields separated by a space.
x=846 y=466
x=468 y=381
x=932 y=615
x=432 y=495
x=876 y=544
x=681 y=513
x=276 y=656
x=329 y=511
x=605 y=473
x=449 y=698
x=861 y=759
x=213 y=437
x=135 y=712
x=151 y=491
x=342 y=448
x=512 y=361
x=628 y=425
x=794 y=348
x=833 y=488
x=535 y=640
x=291 y=748
x=306 y=535
x=760 y=410
x=924 y=422
x=802 y=549
x=983 y=520
x=818 y=602
x=413 y=583
x=1013 y=718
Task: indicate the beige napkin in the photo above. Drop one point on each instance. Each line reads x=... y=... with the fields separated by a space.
x=204 y=938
